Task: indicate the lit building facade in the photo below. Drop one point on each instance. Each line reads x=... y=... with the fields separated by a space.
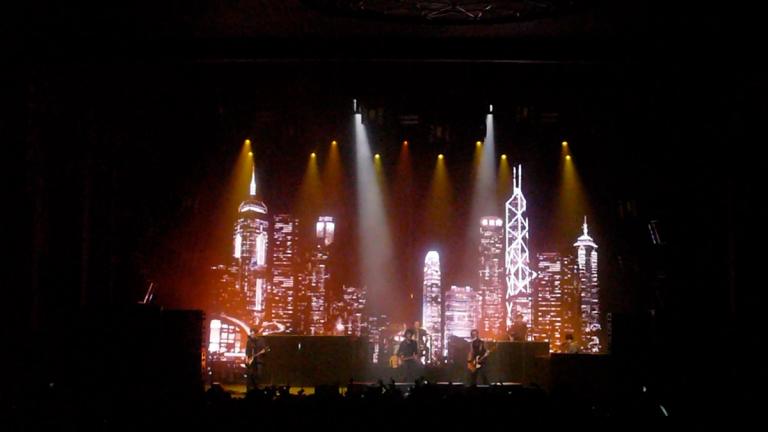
x=517 y=261
x=228 y=297
x=250 y=244
x=589 y=290
x=354 y=304
x=462 y=310
x=556 y=300
x=491 y=272
x=378 y=348
x=281 y=304
x=225 y=337
x=432 y=307
x=319 y=274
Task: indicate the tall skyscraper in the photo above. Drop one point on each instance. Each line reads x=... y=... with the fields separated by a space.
x=319 y=275
x=462 y=309
x=518 y=272
x=281 y=304
x=556 y=299
x=354 y=305
x=250 y=253
x=432 y=303
x=586 y=264
x=491 y=285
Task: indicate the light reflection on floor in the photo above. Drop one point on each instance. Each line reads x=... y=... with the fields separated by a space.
x=238 y=390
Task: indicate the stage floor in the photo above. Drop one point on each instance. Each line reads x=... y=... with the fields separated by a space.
x=239 y=390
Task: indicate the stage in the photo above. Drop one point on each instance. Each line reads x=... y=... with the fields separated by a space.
x=309 y=361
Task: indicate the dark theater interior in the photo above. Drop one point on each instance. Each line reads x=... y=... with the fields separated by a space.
x=346 y=212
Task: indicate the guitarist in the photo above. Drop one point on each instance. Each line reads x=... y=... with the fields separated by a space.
x=408 y=352
x=255 y=349
x=476 y=360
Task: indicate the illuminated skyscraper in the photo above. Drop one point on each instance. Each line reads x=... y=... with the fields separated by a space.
x=319 y=275
x=431 y=311
x=281 y=304
x=376 y=324
x=462 y=309
x=491 y=272
x=586 y=264
x=354 y=304
x=250 y=253
x=228 y=297
x=301 y=309
x=556 y=300
x=518 y=272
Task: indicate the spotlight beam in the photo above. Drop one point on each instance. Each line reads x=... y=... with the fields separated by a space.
x=484 y=202
x=375 y=241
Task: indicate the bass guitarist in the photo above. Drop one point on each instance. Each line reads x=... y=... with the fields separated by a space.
x=255 y=349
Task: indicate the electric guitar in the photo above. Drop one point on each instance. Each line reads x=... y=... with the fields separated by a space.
x=479 y=361
x=394 y=361
x=250 y=359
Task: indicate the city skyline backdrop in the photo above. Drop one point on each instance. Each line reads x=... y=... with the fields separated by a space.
x=503 y=285
x=421 y=217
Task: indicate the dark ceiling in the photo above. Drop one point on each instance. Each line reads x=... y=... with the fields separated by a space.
x=294 y=29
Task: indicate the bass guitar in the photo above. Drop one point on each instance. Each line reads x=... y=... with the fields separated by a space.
x=479 y=361
x=250 y=359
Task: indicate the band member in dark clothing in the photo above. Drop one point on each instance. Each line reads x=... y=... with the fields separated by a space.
x=476 y=360
x=569 y=346
x=420 y=335
x=408 y=352
x=518 y=332
x=255 y=349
